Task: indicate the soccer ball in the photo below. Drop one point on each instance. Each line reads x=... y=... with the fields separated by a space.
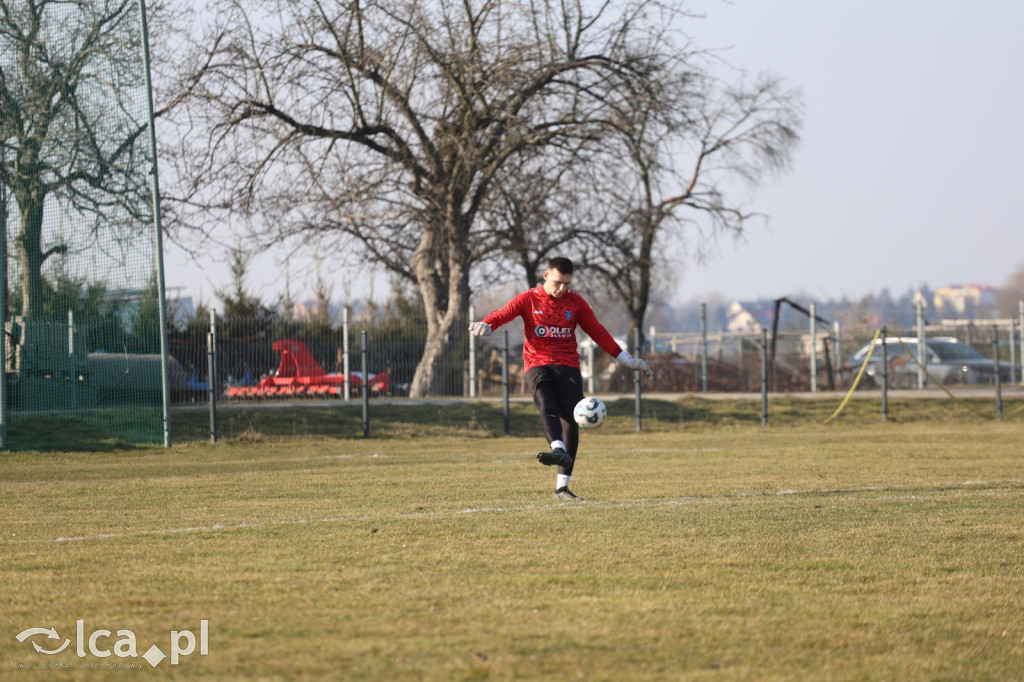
x=589 y=413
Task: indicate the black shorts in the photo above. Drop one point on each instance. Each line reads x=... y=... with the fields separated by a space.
x=566 y=381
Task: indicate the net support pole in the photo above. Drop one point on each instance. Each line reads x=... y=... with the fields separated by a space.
x=995 y=369
x=590 y=367
x=922 y=346
x=346 y=367
x=814 y=351
x=1013 y=350
x=505 y=411
x=158 y=229
x=885 y=375
x=636 y=383
x=3 y=287
x=471 y=378
x=72 y=370
x=764 y=377
x=211 y=374
x=703 y=347
x=366 y=385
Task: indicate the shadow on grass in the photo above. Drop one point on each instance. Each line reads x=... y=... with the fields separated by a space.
x=479 y=419
x=82 y=433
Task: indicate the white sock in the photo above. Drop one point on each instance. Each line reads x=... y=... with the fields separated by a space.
x=557 y=444
x=561 y=481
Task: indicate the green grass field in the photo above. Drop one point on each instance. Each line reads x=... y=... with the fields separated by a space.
x=709 y=548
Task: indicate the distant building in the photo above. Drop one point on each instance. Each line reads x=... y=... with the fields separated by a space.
x=741 y=320
x=964 y=299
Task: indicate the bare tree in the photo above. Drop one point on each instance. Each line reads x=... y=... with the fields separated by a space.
x=73 y=124
x=1011 y=293
x=539 y=207
x=387 y=124
x=679 y=155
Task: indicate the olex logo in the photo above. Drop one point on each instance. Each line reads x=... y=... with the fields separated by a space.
x=99 y=644
x=542 y=331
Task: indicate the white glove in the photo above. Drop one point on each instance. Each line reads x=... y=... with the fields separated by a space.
x=480 y=329
x=634 y=363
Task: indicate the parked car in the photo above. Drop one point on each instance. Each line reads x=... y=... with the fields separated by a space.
x=948 y=360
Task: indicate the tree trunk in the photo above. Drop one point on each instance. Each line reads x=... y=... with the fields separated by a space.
x=446 y=311
x=30 y=255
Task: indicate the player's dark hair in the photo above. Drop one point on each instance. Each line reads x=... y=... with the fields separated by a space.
x=562 y=264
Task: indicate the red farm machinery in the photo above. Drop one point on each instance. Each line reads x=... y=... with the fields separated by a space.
x=299 y=375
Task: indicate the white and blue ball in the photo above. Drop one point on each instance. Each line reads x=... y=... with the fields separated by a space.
x=590 y=413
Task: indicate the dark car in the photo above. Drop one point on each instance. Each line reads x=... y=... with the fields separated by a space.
x=949 y=361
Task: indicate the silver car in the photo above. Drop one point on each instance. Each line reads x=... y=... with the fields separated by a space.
x=949 y=361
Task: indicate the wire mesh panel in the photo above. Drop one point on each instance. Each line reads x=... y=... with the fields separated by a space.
x=84 y=304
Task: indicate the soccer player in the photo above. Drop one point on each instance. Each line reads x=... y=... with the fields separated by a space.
x=551 y=358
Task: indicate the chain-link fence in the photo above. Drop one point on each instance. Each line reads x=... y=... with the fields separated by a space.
x=298 y=359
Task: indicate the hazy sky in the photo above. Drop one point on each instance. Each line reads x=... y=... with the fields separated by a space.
x=910 y=168
x=912 y=158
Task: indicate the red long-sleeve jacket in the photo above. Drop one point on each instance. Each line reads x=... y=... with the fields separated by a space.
x=550 y=327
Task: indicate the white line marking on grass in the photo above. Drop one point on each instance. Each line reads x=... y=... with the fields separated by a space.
x=943 y=487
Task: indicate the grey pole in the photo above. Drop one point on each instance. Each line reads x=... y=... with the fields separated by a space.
x=636 y=383
x=472 y=355
x=814 y=352
x=161 y=287
x=590 y=367
x=764 y=377
x=1022 y=341
x=72 y=371
x=704 y=347
x=921 y=344
x=1013 y=349
x=346 y=368
x=885 y=375
x=836 y=355
x=211 y=374
x=995 y=363
x=366 y=388
x=3 y=289
x=505 y=414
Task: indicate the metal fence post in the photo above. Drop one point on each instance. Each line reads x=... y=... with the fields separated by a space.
x=704 y=347
x=366 y=387
x=636 y=383
x=157 y=225
x=72 y=370
x=995 y=363
x=505 y=414
x=1013 y=349
x=837 y=357
x=1022 y=342
x=345 y=354
x=764 y=377
x=590 y=367
x=472 y=355
x=3 y=289
x=922 y=346
x=814 y=351
x=885 y=375
x=211 y=374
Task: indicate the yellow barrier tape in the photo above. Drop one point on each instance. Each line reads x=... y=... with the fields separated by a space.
x=856 y=381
